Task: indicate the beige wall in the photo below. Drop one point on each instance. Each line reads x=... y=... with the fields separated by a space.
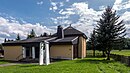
x=13 y=53
x=61 y=51
x=82 y=47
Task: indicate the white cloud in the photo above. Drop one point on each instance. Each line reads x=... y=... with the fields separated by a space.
x=61 y=4
x=86 y=17
x=54 y=6
x=126 y=18
x=67 y=0
x=102 y=7
x=11 y=29
x=120 y=4
x=40 y=3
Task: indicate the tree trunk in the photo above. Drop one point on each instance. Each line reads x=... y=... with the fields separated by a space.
x=103 y=54
x=108 y=55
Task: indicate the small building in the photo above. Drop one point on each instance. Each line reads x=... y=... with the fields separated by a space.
x=68 y=43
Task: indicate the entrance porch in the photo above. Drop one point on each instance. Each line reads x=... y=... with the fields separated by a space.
x=38 y=52
x=31 y=54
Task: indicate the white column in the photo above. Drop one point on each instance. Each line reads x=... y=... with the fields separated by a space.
x=33 y=52
x=41 y=53
x=24 y=52
x=47 y=58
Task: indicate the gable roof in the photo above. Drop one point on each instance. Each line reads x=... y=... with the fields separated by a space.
x=66 y=40
x=70 y=31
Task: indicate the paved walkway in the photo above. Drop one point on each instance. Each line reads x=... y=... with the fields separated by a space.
x=10 y=64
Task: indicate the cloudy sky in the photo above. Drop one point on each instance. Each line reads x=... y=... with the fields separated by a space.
x=20 y=16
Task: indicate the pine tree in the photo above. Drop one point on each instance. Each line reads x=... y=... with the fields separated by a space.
x=18 y=37
x=31 y=35
x=5 y=40
x=109 y=30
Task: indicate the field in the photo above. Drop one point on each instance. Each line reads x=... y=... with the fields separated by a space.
x=87 y=65
x=99 y=53
x=122 y=52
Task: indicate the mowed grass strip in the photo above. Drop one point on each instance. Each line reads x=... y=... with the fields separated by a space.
x=122 y=52
x=87 y=65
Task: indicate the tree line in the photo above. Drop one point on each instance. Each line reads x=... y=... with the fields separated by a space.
x=30 y=35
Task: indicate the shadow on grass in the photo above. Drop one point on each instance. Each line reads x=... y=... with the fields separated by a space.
x=5 y=61
x=94 y=61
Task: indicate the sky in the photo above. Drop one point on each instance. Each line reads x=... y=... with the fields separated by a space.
x=20 y=16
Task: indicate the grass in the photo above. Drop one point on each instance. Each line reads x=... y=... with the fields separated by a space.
x=99 y=53
x=87 y=65
x=122 y=52
x=2 y=61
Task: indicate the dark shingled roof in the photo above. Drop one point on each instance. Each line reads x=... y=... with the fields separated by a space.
x=70 y=31
x=26 y=41
x=66 y=40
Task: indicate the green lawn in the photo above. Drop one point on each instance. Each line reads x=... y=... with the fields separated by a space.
x=88 y=65
x=122 y=52
x=99 y=53
x=2 y=61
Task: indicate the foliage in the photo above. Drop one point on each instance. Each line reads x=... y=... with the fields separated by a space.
x=5 y=40
x=127 y=43
x=110 y=30
x=18 y=37
x=1 y=48
x=44 y=35
x=31 y=35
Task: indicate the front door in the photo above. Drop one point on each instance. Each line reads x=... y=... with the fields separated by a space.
x=37 y=52
x=28 y=52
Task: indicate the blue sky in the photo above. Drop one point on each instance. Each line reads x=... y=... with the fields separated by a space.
x=38 y=11
x=20 y=16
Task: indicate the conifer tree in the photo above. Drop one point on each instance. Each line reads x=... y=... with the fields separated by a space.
x=5 y=40
x=109 y=30
x=31 y=35
x=18 y=37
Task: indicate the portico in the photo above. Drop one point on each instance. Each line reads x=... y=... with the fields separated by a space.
x=38 y=51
